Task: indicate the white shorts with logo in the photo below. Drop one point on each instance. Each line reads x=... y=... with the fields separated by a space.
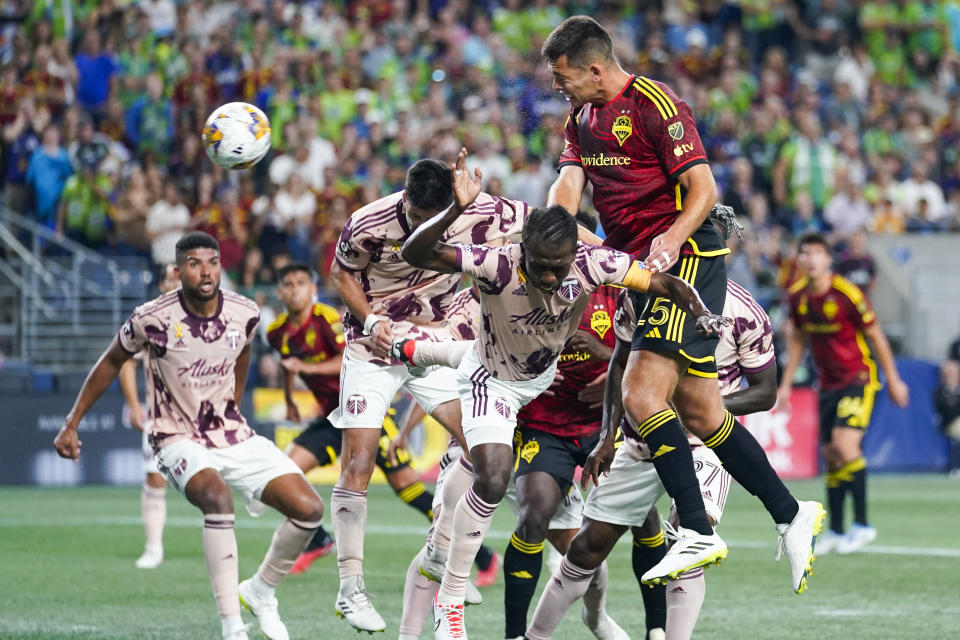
x=569 y=514
x=626 y=496
x=149 y=464
x=367 y=391
x=247 y=467
x=490 y=405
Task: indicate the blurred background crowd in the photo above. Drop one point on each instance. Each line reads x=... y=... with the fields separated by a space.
x=841 y=116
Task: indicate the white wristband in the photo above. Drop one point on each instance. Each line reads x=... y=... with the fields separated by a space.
x=371 y=320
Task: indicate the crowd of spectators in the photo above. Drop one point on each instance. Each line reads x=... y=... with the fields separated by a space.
x=828 y=115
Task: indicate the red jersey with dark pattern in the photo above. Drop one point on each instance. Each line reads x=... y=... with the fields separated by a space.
x=319 y=338
x=632 y=150
x=563 y=414
x=834 y=322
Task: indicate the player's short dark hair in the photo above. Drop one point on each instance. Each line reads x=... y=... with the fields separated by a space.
x=814 y=238
x=551 y=226
x=429 y=185
x=586 y=221
x=195 y=240
x=293 y=267
x=582 y=39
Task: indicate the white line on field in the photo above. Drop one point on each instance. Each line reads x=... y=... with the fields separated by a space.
x=391 y=530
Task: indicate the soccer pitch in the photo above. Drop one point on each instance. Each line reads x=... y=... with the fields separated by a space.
x=67 y=571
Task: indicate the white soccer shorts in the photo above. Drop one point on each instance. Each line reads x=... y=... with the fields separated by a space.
x=367 y=391
x=247 y=467
x=149 y=464
x=626 y=496
x=490 y=405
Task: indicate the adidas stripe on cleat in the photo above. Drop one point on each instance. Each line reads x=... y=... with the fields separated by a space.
x=691 y=551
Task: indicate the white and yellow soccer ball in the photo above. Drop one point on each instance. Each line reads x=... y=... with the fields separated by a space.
x=237 y=135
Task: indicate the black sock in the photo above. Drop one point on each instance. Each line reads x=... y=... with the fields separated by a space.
x=417 y=496
x=745 y=460
x=674 y=463
x=483 y=558
x=319 y=540
x=836 y=492
x=521 y=570
x=647 y=552
x=858 y=488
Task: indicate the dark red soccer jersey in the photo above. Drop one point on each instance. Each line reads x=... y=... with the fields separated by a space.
x=632 y=150
x=320 y=338
x=563 y=414
x=834 y=322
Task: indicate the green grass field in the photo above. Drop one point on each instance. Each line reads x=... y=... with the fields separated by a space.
x=66 y=571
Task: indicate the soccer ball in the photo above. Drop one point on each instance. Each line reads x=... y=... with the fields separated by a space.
x=237 y=135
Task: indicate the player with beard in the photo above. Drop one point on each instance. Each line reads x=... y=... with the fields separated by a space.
x=199 y=339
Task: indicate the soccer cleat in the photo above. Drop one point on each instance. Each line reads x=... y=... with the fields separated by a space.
x=402 y=350
x=307 y=557
x=690 y=551
x=264 y=610
x=151 y=559
x=797 y=540
x=602 y=626
x=656 y=634
x=473 y=595
x=828 y=541
x=433 y=563
x=448 y=621
x=238 y=633
x=355 y=607
x=857 y=538
x=488 y=576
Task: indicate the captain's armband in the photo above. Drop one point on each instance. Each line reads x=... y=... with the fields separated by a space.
x=637 y=277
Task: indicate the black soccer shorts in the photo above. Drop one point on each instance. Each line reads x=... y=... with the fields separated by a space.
x=850 y=407
x=559 y=456
x=323 y=440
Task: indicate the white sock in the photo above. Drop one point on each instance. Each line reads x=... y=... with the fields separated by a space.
x=684 y=599
x=153 y=509
x=418 y=593
x=445 y=354
x=349 y=514
x=595 y=598
x=471 y=521
x=288 y=542
x=455 y=485
x=220 y=552
x=567 y=585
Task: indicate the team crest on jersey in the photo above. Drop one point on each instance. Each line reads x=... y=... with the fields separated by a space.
x=503 y=408
x=530 y=451
x=600 y=322
x=676 y=130
x=234 y=337
x=356 y=404
x=802 y=308
x=830 y=308
x=310 y=337
x=622 y=129
x=570 y=289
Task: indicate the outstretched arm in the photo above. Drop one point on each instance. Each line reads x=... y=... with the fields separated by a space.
x=897 y=388
x=423 y=249
x=98 y=380
x=601 y=457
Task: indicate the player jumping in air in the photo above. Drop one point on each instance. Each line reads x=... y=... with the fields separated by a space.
x=837 y=319
x=388 y=298
x=199 y=340
x=309 y=338
x=153 y=500
x=532 y=296
x=636 y=142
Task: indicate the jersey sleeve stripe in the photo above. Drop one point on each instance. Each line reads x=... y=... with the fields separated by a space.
x=766 y=365
x=848 y=289
x=686 y=165
x=668 y=105
x=276 y=324
x=649 y=95
x=346 y=268
x=564 y=163
x=798 y=285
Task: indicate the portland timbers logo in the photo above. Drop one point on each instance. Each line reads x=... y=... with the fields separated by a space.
x=570 y=289
x=356 y=404
x=502 y=407
x=622 y=128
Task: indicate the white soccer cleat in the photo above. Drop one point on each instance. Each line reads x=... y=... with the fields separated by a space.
x=797 y=540
x=656 y=634
x=237 y=632
x=433 y=563
x=857 y=538
x=602 y=626
x=690 y=551
x=473 y=595
x=355 y=607
x=828 y=541
x=448 y=621
x=402 y=350
x=151 y=559
x=264 y=610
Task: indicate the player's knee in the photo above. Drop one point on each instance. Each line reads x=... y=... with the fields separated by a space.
x=639 y=404
x=580 y=554
x=310 y=509
x=212 y=499
x=490 y=484
x=358 y=469
x=532 y=527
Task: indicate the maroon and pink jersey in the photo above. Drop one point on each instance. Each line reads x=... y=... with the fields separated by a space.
x=192 y=363
x=415 y=300
x=632 y=150
x=523 y=329
x=319 y=338
x=564 y=414
x=834 y=322
x=746 y=346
